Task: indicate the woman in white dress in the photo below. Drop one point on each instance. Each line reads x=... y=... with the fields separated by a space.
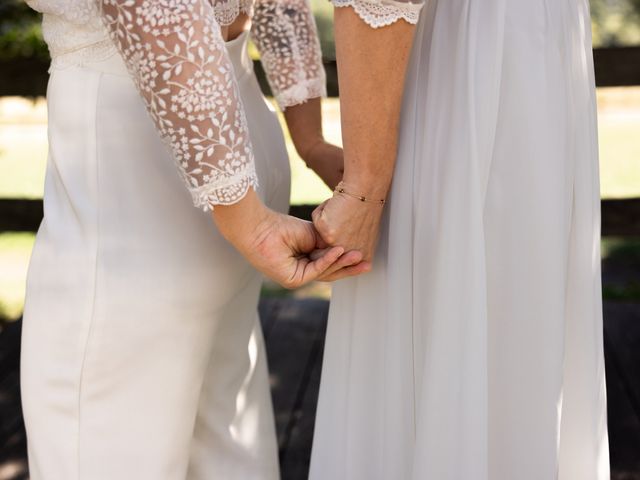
x=473 y=350
x=142 y=356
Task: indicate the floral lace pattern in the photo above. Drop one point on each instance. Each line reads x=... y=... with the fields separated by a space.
x=177 y=58
x=176 y=55
x=377 y=13
x=284 y=32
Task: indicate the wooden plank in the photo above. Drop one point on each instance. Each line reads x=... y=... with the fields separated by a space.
x=299 y=453
x=622 y=360
x=20 y=215
x=25 y=77
x=268 y=310
x=615 y=66
x=294 y=343
x=619 y=217
x=294 y=348
x=13 y=438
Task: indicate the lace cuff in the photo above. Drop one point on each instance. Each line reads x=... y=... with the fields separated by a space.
x=380 y=13
x=225 y=191
x=302 y=92
x=285 y=34
x=177 y=58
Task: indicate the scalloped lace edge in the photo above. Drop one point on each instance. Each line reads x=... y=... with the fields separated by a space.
x=217 y=193
x=379 y=14
x=227 y=12
x=302 y=92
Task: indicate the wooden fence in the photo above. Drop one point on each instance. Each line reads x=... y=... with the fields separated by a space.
x=619 y=66
x=614 y=67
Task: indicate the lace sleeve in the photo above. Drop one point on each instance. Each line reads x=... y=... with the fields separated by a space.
x=380 y=13
x=176 y=55
x=285 y=33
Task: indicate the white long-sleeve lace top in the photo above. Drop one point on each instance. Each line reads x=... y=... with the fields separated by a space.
x=176 y=56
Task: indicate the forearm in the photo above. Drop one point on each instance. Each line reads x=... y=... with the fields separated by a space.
x=304 y=122
x=371 y=71
x=240 y=222
x=305 y=126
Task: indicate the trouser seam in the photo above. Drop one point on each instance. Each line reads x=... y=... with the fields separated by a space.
x=92 y=303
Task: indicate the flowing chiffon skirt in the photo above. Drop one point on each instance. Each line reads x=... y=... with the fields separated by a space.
x=474 y=349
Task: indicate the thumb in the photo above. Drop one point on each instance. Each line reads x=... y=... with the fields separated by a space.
x=317 y=212
x=302 y=236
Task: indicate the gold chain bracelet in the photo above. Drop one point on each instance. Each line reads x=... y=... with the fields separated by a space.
x=340 y=189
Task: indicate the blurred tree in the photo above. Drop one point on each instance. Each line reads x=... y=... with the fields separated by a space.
x=20 y=33
x=323 y=11
x=615 y=23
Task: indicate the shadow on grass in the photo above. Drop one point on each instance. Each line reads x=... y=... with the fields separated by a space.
x=13 y=439
x=621 y=269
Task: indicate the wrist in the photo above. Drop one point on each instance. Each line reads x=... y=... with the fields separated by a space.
x=240 y=222
x=305 y=126
x=307 y=149
x=371 y=186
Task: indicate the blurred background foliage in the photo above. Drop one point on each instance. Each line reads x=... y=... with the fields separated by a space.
x=23 y=139
x=615 y=23
x=20 y=32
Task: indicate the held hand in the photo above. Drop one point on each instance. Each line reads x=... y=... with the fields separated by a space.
x=284 y=250
x=346 y=221
x=278 y=245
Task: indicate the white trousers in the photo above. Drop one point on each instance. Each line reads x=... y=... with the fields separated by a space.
x=142 y=354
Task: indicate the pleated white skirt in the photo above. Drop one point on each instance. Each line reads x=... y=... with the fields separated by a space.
x=473 y=350
x=142 y=355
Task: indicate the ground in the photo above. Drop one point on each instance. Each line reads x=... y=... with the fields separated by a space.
x=294 y=323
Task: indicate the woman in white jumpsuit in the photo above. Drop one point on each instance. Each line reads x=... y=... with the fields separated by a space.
x=142 y=354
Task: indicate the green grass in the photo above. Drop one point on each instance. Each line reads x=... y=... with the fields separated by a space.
x=623 y=256
x=23 y=146
x=619 y=156
x=23 y=156
x=15 y=250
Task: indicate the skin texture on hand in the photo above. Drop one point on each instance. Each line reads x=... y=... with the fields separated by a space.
x=372 y=65
x=304 y=122
x=345 y=217
x=278 y=245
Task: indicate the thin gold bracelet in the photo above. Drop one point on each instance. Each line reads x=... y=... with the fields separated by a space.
x=340 y=189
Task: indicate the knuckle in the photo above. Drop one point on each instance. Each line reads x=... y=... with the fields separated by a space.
x=330 y=235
